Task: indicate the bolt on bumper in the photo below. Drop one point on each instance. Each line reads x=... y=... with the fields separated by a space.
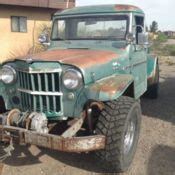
x=70 y=144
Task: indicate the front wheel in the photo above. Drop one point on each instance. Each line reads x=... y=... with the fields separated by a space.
x=120 y=123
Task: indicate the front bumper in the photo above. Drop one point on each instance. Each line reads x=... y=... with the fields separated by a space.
x=72 y=144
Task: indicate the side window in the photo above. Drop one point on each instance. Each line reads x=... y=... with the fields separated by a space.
x=139 y=22
x=18 y=24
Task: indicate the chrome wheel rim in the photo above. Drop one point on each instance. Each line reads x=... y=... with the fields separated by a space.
x=129 y=136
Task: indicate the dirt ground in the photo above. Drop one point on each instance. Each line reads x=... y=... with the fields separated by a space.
x=170 y=41
x=155 y=154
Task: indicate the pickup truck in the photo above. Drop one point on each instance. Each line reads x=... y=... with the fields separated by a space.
x=83 y=93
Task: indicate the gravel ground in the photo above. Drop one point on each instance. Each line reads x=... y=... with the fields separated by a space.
x=155 y=154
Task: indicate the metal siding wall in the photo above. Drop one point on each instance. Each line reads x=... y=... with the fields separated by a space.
x=56 y=4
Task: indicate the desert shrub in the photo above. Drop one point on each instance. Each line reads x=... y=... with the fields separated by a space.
x=157 y=45
x=161 y=38
x=170 y=62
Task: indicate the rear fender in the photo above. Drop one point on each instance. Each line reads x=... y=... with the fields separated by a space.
x=151 y=68
x=109 y=88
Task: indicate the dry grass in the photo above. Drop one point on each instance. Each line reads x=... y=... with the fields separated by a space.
x=29 y=48
x=169 y=62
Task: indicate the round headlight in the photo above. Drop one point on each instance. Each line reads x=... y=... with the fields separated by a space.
x=7 y=75
x=72 y=79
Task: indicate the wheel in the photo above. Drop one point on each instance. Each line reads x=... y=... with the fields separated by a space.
x=120 y=122
x=153 y=90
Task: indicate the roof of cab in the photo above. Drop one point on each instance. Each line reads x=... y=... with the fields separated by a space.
x=101 y=9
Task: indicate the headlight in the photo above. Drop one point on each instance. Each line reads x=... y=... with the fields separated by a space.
x=72 y=79
x=7 y=75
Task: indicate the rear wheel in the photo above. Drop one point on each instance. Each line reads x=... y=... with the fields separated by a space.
x=120 y=123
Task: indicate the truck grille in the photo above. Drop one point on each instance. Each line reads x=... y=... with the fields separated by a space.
x=40 y=91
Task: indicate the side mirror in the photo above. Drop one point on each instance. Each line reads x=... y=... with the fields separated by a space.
x=143 y=39
x=44 y=39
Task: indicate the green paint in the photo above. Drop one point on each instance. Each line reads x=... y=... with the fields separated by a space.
x=97 y=9
x=109 y=88
x=151 y=63
x=131 y=66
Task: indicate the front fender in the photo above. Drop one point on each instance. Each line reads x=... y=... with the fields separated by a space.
x=109 y=88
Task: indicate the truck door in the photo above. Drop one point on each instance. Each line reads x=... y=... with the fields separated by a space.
x=138 y=60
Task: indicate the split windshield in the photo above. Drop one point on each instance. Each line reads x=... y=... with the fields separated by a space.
x=90 y=28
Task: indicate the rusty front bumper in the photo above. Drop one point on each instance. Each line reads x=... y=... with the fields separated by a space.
x=72 y=144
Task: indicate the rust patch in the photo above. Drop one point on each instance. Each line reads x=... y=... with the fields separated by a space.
x=112 y=85
x=100 y=105
x=113 y=88
x=85 y=143
x=77 y=57
x=71 y=144
x=70 y=132
x=126 y=8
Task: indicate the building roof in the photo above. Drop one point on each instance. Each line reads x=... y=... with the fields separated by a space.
x=54 y=4
x=101 y=9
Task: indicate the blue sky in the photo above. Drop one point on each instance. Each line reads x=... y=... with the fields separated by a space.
x=162 y=11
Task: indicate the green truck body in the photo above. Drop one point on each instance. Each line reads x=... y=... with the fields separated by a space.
x=124 y=65
x=97 y=58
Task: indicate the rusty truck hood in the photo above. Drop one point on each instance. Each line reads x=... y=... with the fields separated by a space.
x=81 y=58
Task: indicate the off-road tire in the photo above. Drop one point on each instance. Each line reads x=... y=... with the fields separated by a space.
x=112 y=123
x=153 y=90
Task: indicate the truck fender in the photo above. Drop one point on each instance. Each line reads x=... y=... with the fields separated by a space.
x=109 y=88
x=151 y=68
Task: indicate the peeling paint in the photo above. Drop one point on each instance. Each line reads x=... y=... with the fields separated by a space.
x=81 y=58
x=100 y=9
x=71 y=144
x=111 y=85
x=126 y=8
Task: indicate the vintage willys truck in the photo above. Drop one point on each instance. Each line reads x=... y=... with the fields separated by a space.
x=82 y=94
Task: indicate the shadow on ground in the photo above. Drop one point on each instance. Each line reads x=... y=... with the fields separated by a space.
x=21 y=156
x=162 y=161
x=164 y=107
x=83 y=161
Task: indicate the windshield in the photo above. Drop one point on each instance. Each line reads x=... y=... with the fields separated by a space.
x=109 y=27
